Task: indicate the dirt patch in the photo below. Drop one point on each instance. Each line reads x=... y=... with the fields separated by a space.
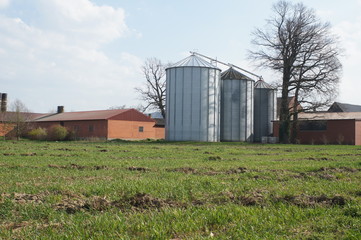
x=139 y=169
x=24 y=198
x=251 y=199
x=76 y=166
x=64 y=149
x=16 y=226
x=9 y=154
x=309 y=201
x=214 y=158
x=28 y=154
x=208 y=152
x=236 y=170
x=339 y=170
x=187 y=170
x=320 y=159
x=140 y=201
x=146 y=201
x=103 y=150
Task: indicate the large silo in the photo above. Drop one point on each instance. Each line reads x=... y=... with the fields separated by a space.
x=192 y=101
x=265 y=109
x=236 y=106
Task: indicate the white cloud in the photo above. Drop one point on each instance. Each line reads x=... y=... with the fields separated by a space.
x=4 y=3
x=58 y=59
x=350 y=37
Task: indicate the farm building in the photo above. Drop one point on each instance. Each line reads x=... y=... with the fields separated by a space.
x=344 y=107
x=106 y=124
x=8 y=120
x=328 y=128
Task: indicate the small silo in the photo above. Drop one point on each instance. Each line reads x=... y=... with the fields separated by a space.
x=236 y=106
x=265 y=109
x=192 y=101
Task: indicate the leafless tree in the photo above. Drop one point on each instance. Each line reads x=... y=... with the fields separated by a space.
x=298 y=45
x=153 y=92
x=16 y=121
x=139 y=107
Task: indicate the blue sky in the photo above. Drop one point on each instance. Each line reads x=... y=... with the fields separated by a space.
x=86 y=55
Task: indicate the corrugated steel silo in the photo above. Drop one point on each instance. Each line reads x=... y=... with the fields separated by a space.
x=236 y=106
x=192 y=101
x=265 y=109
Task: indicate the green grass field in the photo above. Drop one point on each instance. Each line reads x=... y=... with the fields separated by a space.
x=160 y=190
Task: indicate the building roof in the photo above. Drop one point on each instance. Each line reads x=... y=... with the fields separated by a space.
x=344 y=107
x=329 y=115
x=193 y=61
x=262 y=84
x=26 y=116
x=231 y=74
x=117 y=114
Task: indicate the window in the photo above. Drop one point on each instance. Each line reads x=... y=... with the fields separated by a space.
x=313 y=125
x=141 y=129
x=91 y=128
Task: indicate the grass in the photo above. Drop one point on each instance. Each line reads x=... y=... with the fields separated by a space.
x=162 y=190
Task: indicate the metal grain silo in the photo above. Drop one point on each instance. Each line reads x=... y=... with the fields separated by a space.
x=236 y=106
x=265 y=109
x=192 y=101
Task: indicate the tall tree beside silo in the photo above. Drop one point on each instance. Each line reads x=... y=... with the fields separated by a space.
x=299 y=46
x=153 y=92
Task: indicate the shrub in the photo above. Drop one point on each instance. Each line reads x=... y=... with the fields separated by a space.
x=37 y=134
x=57 y=133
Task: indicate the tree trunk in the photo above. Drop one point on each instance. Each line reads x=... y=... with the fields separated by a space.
x=284 y=128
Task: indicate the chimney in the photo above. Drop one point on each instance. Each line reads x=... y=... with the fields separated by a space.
x=4 y=97
x=60 y=109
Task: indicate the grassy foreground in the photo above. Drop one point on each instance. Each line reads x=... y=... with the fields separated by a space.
x=159 y=190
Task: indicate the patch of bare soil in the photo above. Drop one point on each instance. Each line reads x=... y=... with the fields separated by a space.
x=251 y=199
x=339 y=170
x=187 y=170
x=214 y=158
x=322 y=175
x=16 y=226
x=349 y=154
x=309 y=201
x=103 y=150
x=9 y=154
x=208 y=152
x=64 y=149
x=23 y=198
x=140 y=169
x=28 y=154
x=320 y=159
x=140 y=201
x=76 y=166
x=236 y=170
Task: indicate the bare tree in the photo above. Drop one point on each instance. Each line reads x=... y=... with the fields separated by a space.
x=153 y=92
x=16 y=121
x=298 y=45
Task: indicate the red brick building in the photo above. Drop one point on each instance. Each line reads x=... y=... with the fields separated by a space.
x=328 y=128
x=106 y=124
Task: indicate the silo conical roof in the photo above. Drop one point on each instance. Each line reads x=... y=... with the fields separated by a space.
x=262 y=84
x=193 y=61
x=231 y=73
